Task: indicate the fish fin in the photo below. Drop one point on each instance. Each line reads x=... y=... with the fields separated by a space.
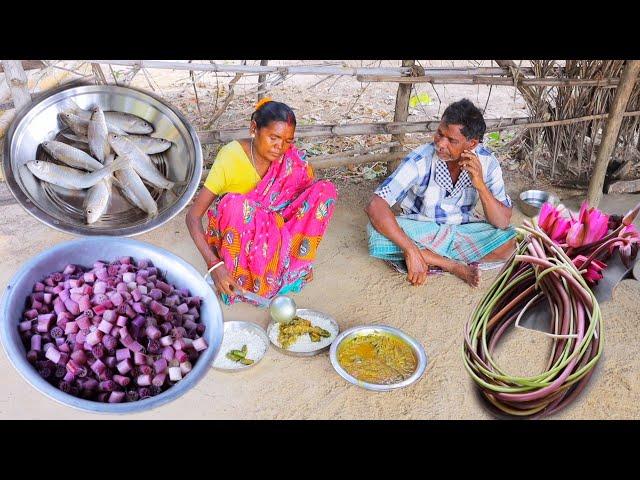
x=179 y=184
x=119 y=164
x=75 y=138
x=116 y=182
x=72 y=107
x=115 y=129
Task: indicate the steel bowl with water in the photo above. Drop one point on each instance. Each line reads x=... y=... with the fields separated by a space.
x=61 y=208
x=416 y=346
x=85 y=252
x=530 y=201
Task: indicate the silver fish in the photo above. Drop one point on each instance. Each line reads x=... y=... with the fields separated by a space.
x=147 y=144
x=135 y=191
x=140 y=161
x=71 y=178
x=77 y=124
x=128 y=122
x=97 y=134
x=150 y=145
x=119 y=122
x=98 y=196
x=74 y=138
x=71 y=156
x=78 y=121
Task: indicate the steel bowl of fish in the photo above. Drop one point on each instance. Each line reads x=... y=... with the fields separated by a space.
x=378 y=357
x=102 y=160
x=244 y=344
x=308 y=334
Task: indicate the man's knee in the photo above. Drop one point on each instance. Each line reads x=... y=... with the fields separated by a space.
x=504 y=251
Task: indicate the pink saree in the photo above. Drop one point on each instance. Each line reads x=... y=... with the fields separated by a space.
x=269 y=237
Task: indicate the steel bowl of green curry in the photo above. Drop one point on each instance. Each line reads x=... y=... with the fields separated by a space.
x=378 y=357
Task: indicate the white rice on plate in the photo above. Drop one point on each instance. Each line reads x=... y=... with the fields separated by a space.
x=234 y=340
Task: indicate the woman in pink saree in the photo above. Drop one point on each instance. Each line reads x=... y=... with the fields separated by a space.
x=267 y=214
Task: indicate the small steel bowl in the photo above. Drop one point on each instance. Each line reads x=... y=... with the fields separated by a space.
x=61 y=208
x=530 y=201
x=247 y=326
x=418 y=351
x=307 y=315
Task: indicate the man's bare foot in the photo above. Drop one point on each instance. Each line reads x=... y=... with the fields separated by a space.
x=469 y=273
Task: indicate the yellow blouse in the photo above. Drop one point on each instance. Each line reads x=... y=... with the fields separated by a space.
x=232 y=171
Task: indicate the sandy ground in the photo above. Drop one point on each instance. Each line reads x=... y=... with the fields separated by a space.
x=356 y=290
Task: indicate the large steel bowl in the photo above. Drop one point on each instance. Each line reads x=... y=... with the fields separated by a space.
x=418 y=351
x=84 y=252
x=61 y=208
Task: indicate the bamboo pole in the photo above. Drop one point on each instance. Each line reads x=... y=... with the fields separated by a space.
x=314 y=70
x=52 y=79
x=17 y=81
x=29 y=65
x=394 y=128
x=611 y=130
x=262 y=78
x=351 y=157
x=359 y=156
x=319 y=162
x=401 y=114
x=494 y=125
x=359 y=150
x=253 y=69
x=306 y=131
x=487 y=80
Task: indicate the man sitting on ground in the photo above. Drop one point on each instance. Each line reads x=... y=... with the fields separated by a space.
x=438 y=185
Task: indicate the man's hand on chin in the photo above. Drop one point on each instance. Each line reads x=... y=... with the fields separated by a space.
x=470 y=162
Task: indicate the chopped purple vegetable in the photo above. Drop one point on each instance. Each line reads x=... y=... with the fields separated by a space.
x=91 y=332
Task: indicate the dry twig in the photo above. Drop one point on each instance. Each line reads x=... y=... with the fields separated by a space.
x=226 y=101
x=195 y=90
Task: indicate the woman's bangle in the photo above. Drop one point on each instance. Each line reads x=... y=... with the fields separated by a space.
x=208 y=274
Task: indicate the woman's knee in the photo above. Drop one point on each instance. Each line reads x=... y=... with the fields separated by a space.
x=327 y=190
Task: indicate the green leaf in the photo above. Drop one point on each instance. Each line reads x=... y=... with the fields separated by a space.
x=495 y=136
x=420 y=99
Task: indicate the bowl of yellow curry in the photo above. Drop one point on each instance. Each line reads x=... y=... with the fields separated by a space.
x=378 y=357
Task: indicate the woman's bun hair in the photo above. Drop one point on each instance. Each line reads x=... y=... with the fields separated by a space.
x=262 y=102
x=268 y=110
